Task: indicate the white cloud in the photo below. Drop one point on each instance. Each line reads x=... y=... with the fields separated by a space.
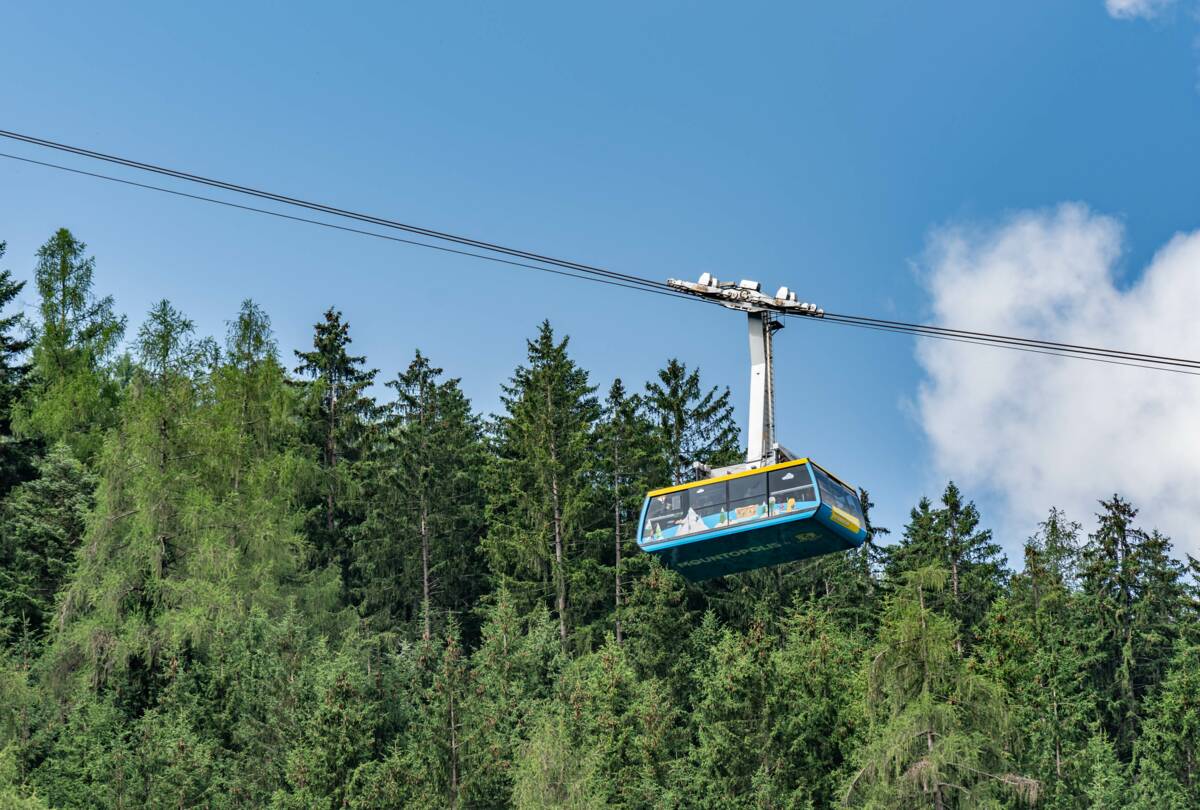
x=1039 y=431
x=1128 y=9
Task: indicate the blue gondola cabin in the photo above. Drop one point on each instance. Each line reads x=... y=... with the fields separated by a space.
x=751 y=519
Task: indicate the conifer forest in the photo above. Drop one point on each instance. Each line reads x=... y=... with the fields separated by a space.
x=235 y=574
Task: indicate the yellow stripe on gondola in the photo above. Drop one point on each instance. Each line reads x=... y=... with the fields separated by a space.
x=844 y=518
x=691 y=484
x=730 y=477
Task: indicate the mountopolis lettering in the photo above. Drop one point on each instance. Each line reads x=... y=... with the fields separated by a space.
x=728 y=555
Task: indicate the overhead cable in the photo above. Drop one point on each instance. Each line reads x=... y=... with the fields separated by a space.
x=535 y=261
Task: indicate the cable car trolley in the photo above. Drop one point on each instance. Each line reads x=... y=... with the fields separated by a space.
x=773 y=508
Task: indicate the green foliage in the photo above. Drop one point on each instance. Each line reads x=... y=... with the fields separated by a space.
x=417 y=551
x=1167 y=752
x=1034 y=643
x=73 y=396
x=540 y=500
x=14 y=370
x=1134 y=596
x=41 y=525
x=224 y=587
x=338 y=417
x=195 y=514
x=949 y=537
x=937 y=727
x=694 y=425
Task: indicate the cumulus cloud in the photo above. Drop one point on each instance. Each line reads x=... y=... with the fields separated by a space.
x=1038 y=431
x=1128 y=9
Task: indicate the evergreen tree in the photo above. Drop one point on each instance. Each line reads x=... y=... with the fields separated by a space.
x=512 y=673
x=1167 y=754
x=41 y=525
x=1033 y=643
x=73 y=397
x=417 y=552
x=949 y=537
x=339 y=425
x=15 y=461
x=195 y=515
x=1133 y=597
x=628 y=466
x=541 y=498
x=937 y=728
x=693 y=425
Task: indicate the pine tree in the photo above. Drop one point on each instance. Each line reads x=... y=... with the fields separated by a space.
x=425 y=519
x=693 y=425
x=41 y=526
x=73 y=397
x=541 y=497
x=339 y=425
x=15 y=455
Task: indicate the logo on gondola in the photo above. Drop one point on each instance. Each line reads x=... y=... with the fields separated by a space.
x=728 y=555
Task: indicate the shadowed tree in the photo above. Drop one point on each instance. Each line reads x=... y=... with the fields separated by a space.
x=15 y=455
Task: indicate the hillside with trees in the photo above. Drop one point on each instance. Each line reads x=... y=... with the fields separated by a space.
x=240 y=575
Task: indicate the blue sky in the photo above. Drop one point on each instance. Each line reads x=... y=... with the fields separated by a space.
x=822 y=146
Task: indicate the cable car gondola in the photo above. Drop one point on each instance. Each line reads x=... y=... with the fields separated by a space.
x=754 y=519
x=774 y=507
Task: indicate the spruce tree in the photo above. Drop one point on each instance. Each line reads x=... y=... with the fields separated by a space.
x=512 y=673
x=1133 y=600
x=949 y=537
x=1167 y=754
x=417 y=552
x=339 y=422
x=41 y=526
x=1034 y=644
x=693 y=424
x=541 y=495
x=628 y=466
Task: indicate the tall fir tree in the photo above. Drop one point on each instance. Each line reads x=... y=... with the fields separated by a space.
x=1133 y=596
x=694 y=425
x=1034 y=644
x=628 y=465
x=417 y=552
x=949 y=537
x=340 y=419
x=541 y=494
x=73 y=396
